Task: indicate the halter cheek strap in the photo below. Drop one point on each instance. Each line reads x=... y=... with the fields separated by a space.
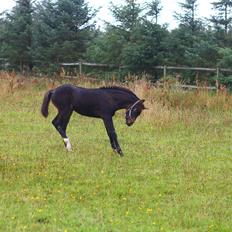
x=131 y=108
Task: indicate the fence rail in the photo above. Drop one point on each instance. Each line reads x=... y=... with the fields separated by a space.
x=164 y=67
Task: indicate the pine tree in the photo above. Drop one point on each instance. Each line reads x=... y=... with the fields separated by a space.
x=188 y=18
x=127 y=15
x=62 y=31
x=17 y=35
x=133 y=40
x=224 y=18
x=154 y=9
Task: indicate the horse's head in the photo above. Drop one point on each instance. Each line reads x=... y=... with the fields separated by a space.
x=134 y=111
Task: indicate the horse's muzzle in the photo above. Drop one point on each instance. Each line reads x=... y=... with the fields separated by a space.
x=129 y=122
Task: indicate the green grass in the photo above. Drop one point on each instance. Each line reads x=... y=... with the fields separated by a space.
x=175 y=176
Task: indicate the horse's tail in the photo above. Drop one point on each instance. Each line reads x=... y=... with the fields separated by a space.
x=46 y=100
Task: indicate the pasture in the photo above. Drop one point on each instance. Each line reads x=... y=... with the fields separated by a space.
x=175 y=175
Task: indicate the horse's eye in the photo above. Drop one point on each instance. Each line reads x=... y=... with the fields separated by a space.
x=134 y=110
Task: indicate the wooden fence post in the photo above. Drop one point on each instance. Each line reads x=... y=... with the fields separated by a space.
x=165 y=71
x=80 y=67
x=217 y=81
x=217 y=73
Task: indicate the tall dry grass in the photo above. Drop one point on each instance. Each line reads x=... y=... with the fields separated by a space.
x=166 y=105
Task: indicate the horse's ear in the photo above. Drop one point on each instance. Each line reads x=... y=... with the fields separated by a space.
x=142 y=101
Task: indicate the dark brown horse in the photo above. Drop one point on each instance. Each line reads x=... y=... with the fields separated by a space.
x=100 y=103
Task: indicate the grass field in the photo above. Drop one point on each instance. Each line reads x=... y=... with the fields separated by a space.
x=176 y=174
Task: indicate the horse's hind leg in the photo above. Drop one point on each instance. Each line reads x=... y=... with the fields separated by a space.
x=64 y=127
x=60 y=122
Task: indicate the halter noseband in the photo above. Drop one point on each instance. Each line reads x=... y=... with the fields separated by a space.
x=131 y=108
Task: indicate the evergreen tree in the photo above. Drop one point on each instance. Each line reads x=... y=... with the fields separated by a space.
x=146 y=48
x=189 y=49
x=2 y=31
x=188 y=17
x=62 y=31
x=127 y=15
x=191 y=43
x=154 y=9
x=107 y=46
x=224 y=18
x=17 y=35
x=133 y=41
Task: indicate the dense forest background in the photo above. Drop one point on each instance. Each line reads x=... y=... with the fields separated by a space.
x=39 y=35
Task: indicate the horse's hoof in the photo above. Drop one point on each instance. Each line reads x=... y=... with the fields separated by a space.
x=68 y=149
x=120 y=153
x=67 y=144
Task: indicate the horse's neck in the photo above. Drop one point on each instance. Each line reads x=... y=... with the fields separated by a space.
x=126 y=101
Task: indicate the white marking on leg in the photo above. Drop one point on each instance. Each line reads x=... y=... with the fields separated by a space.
x=67 y=144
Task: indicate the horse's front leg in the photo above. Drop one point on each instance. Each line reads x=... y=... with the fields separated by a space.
x=112 y=135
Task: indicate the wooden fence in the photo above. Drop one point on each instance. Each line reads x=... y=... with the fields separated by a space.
x=81 y=64
x=164 y=68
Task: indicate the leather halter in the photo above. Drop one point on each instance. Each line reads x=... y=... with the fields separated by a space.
x=131 y=108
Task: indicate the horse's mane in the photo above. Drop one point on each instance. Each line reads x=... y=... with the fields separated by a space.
x=123 y=89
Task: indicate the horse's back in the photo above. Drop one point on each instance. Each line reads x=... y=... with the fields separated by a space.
x=88 y=102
